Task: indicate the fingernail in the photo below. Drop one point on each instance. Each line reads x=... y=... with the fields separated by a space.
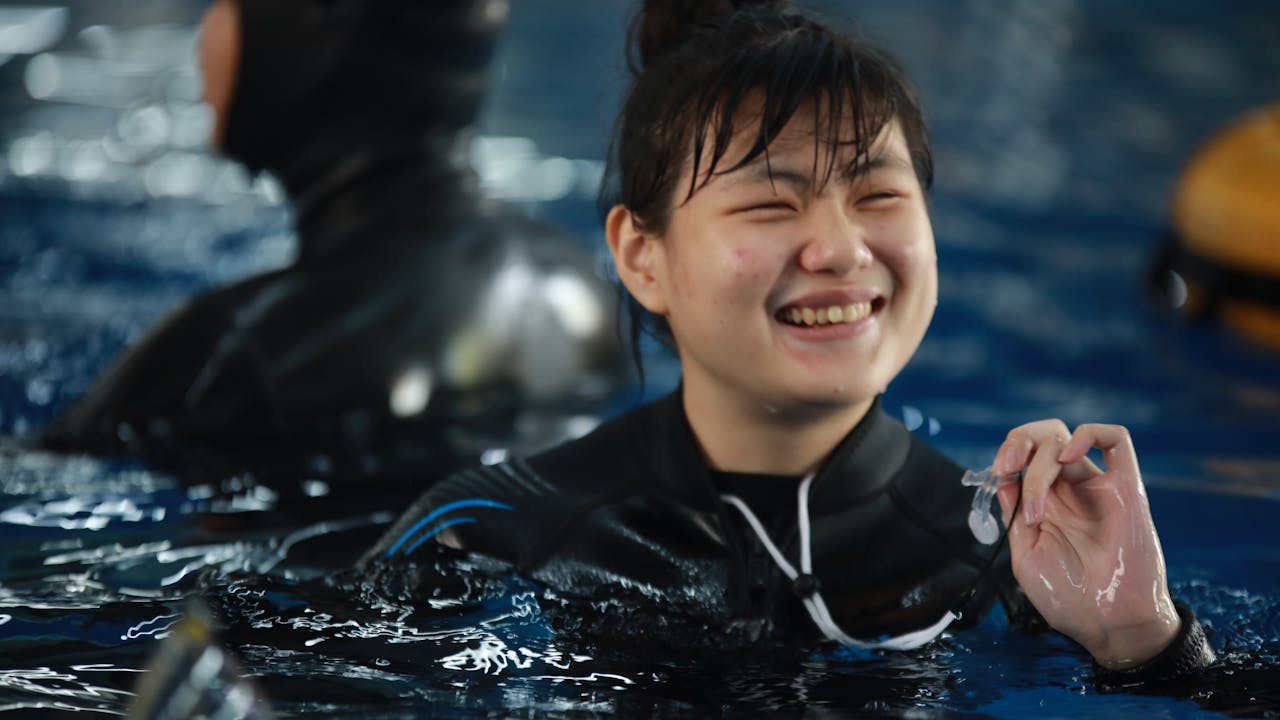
x=1031 y=512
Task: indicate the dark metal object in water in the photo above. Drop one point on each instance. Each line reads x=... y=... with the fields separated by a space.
x=191 y=677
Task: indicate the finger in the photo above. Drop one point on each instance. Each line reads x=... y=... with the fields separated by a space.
x=1040 y=475
x=1013 y=453
x=1079 y=471
x=1113 y=440
x=1016 y=449
x=1041 y=442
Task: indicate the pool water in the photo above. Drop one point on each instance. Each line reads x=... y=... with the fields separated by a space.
x=1059 y=130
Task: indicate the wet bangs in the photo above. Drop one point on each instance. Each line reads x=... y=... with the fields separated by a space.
x=853 y=99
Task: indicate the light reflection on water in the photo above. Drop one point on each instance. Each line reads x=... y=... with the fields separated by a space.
x=72 y=685
x=501 y=652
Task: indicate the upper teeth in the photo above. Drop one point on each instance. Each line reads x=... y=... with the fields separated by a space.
x=829 y=315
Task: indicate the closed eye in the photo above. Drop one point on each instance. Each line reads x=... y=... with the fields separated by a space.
x=879 y=198
x=767 y=206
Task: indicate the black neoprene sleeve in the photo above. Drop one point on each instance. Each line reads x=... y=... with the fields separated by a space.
x=1188 y=653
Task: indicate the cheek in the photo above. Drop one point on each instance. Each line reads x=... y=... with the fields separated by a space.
x=910 y=253
x=756 y=261
x=717 y=274
x=749 y=273
x=743 y=266
x=918 y=260
x=919 y=265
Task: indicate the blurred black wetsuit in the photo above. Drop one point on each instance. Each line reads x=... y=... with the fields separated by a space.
x=633 y=507
x=419 y=323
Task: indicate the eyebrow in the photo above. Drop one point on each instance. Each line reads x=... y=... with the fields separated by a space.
x=879 y=161
x=762 y=170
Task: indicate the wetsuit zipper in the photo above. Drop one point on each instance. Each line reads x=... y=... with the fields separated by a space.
x=758 y=581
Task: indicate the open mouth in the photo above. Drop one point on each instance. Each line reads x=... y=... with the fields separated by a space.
x=804 y=316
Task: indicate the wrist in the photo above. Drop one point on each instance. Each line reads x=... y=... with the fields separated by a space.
x=1188 y=654
x=1133 y=645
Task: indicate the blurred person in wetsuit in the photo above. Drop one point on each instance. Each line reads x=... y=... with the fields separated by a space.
x=420 y=323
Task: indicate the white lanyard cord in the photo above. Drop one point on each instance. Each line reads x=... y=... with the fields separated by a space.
x=813 y=601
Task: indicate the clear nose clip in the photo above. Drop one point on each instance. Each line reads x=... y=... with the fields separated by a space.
x=982 y=523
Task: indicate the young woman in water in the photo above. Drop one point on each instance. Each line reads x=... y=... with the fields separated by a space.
x=770 y=219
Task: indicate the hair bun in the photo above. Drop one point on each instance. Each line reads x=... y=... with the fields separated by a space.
x=662 y=25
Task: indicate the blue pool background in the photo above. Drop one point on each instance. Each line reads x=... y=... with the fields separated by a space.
x=1060 y=127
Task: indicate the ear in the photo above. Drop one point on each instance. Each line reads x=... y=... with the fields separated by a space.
x=637 y=256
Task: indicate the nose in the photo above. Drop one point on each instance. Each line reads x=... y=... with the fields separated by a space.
x=835 y=243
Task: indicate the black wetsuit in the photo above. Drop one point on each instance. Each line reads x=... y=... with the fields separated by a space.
x=632 y=506
x=420 y=324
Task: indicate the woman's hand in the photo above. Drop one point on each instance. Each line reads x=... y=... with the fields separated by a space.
x=1084 y=547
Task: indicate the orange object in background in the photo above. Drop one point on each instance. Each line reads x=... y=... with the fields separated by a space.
x=1224 y=257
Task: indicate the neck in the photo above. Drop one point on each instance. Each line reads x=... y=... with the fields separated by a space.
x=767 y=440
x=412 y=185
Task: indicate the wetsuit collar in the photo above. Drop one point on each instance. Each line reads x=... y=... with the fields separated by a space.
x=664 y=440
x=862 y=465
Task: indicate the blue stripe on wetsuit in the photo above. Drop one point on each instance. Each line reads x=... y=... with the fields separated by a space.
x=434 y=514
x=436 y=531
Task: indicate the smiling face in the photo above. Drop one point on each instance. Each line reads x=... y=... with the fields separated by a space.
x=785 y=292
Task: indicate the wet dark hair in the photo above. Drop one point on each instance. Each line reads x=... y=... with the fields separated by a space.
x=700 y=66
